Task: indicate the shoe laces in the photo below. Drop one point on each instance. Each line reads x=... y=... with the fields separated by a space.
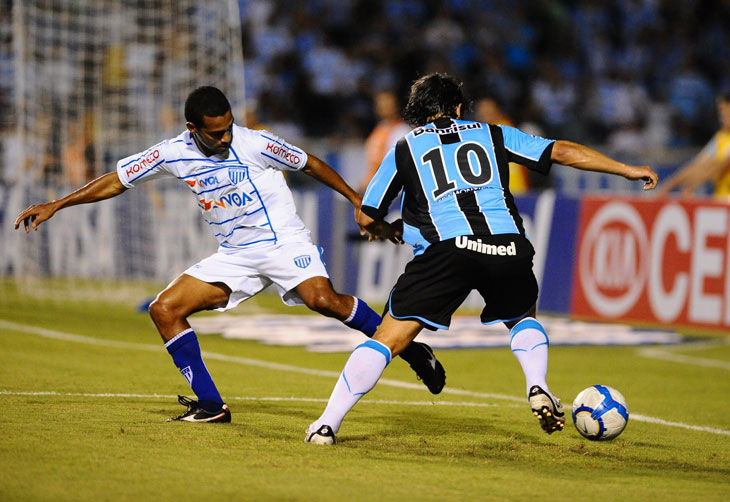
x=186 y=401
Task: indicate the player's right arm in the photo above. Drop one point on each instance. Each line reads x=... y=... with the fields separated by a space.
x=702 y=168
x=582 y=157
x=385 y=185
x=103 y=187
x=689 y=177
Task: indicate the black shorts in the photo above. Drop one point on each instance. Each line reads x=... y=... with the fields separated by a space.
x=435 y=283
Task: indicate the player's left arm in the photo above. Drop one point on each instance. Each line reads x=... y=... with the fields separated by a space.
x=582 y=157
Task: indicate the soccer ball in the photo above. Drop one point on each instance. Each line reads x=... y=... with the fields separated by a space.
x=600 y=412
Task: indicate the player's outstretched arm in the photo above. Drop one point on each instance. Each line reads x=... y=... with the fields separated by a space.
x=588 y=159
x=322 y=172
x=705 y=168
x=103 y=187
x=690 y=176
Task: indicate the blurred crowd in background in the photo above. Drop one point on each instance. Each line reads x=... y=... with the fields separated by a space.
x=633 y=74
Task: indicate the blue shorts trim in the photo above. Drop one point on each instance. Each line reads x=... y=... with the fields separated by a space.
x=431 y=324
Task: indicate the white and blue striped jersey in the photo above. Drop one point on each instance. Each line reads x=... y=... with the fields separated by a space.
x=454 y=175
x=243 y=197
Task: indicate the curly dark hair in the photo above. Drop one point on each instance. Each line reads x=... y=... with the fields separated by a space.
x=432 y=95
x=205 y=101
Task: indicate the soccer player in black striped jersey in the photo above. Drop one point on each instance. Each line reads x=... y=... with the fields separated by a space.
x=466 y=233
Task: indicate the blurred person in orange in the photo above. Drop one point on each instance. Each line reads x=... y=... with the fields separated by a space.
x=711 y=164
x=489 y=111
x=387 y=132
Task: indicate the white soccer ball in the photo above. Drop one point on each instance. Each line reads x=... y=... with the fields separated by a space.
x=600 y=412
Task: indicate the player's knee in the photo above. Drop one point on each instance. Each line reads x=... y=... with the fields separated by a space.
x=323 y=303
x=162 y=311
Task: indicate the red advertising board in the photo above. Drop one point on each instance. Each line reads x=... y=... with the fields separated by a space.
x=654 y=261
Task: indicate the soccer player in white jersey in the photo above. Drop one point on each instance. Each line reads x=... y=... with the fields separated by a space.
x=236 y=176
x=466 y=233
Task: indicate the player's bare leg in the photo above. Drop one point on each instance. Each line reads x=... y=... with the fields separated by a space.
x=529 y=343
x=397 y=334
x=183 y=297
x=318 y=295
x=360 y=374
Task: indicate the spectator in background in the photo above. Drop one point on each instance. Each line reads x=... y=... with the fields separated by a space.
x=711 y=164
x=489 y=111
x=252 y=117
x=690 y=94
x=627 y=142
x=333 y=50
x=617 y=101
x=78 y=155
x=389 y=129
x=555 y=99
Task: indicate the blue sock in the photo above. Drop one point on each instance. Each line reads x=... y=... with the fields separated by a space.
x=363 y=318
x=185 y=351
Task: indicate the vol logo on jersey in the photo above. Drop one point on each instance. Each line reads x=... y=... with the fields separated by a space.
x=203 y=182
x=235 y=199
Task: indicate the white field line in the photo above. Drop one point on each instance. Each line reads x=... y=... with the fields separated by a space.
x=251 y=398
x=659 y=421
x=47 y=333
x=68 y=337
x=667 y=355
x=634 y=417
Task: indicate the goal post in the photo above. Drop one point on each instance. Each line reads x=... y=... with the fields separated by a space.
x=93 y=81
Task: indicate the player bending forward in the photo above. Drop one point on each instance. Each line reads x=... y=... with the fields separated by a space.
x=262 y=240
x=462 y=222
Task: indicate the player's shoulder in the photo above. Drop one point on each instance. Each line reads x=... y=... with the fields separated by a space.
x=250 y=138
x=264 y=134
x=267 y=136
x=243 y=130
x=176 y=146
x=152 y=154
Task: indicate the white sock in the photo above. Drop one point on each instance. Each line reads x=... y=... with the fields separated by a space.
x=362 y=371
x=530 y=346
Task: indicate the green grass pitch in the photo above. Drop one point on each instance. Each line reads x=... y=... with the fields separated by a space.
x=83 y=418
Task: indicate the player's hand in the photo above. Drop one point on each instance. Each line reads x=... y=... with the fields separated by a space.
x=358 y=217
x=35 y=215
x=644 y=173
x=382 y=230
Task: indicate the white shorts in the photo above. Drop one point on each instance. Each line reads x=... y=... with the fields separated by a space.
x=249 y=271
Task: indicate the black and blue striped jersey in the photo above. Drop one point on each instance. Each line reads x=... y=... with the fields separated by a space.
x=454 y=175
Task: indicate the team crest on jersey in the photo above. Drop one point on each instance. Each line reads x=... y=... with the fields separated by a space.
x=187 y=372
x=237 y=174
x=302 y=261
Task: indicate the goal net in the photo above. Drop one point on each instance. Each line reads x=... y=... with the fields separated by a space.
x=84 y=83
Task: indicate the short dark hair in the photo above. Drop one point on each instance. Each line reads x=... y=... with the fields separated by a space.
x=431 y=95
x=205 y=101
x=724 y=96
